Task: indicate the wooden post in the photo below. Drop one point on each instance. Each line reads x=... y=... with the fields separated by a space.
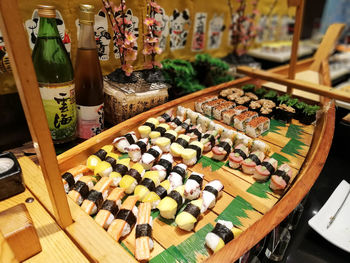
x=21 y=63
x=299 y=4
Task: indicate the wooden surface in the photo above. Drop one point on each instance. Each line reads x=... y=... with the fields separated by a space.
x=20 y=233
x=27 y=85
x=6 y=255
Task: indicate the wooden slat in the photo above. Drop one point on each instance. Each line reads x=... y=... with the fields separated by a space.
x=6 y=255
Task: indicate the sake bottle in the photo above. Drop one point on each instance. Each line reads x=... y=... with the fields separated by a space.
x=54 y=72
x=88 y=78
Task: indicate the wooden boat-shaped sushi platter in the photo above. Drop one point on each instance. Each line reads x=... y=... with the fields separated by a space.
x=251 y=206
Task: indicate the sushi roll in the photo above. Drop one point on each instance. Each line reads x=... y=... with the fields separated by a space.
x=266 y=112
x=195 y=133
x=193 y=116
x=193 y=186
x=199 y=103
x=235 y=158
x=228 y=134
x=143 y=233
x=204 y=123
x=243 y=101
x=192 y=153
x=258 y=145
x=222 y=150
x=148 y=184
x=147 y=127
x=218 y=110
x=161 y=191
x=257 y=126
x=263 y=172
x=244 y=139
x=237 y=91
x=211 y=193
x=110 y=208
x=158 y=132
x=170 y=204
x=164 y=142
x=223 y=233
x=251 y=95
x=181 y=112
x=150 y=157
x=208 y=140
x=81 y=189
x=96 y=196
x=254 y=106
x=124 y=141
x=183 y=128
x=240 y=121
x=281 y=178
x=177 y=175
x=189 y=216
x=224 y=93
x=284 y=113
x=72 y=176
x=132 y=178
x=165 y=117
x=104 y=168
x=164 y=166
x=125 y=219
x=267 y=103
x=99 y=156
x=254 y=159
x=136 y=150
x=240 y=109
x=232 y=97
x=209 y=106
x=177 y=147
x=227 y=116
x=120 y=170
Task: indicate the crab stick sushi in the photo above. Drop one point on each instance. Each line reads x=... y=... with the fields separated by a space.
x=239 y=154
x=265 y=169
x=164 y=166
x=132 y=178
x=72 y=176
x=81 y=189
x=99 y=156
x=136 y=150
x=192 y=153
x=143 y=233
x=255 y=158
x=170 y=204
x=223 y=233
x=189 y=216
x=147 y=127
x=177 y=175
x=149 y=183
x=258 y=145
x=121 y=168
x=165 y=117
x=281 y=178
x=104 y=168
x=211 y=193
x=193 y=186
x=199 y=103
x=177 y=147
x=96 y=196
x=158 y=132
x=222 y=150
x=161 y=191
x=110 y=208
x=121 y=143
x=125 y=219
x=150 y=157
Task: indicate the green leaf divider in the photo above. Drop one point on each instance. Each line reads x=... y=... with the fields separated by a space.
x=275 y=126
x=280 y=158
x=126 y=248
x=293 y=147
x=260 y=189
x=208 y=162
x=170 y=255
x=123 y=156
x=294 y=131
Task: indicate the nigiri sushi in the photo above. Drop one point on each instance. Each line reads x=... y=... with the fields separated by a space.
x=281 y=178
x=158 y=132
x=208 y=140
x=255 y=158
x=183 y=128
x=193 y=186
x=124 y=141
x=149 y=157
x=149 y=182
x=177 y=147
x=99 y=156
x=132 y=178
x=240 y=153
x=143 y=233
x=268 y=167
x=189 y=216
x=147 y=127
x=104 y=168
x=72 y=176
x=169 y=205
x=192 y=153
x=81 y=189
x=222 y=150
x=121 y=168
x=161 y=191
x=164 y=142
x=164 y=166
x=211 y=192
x=177 y=175
x=195 y=133
x=176 y=122
x=165 y=117
x=136 y=150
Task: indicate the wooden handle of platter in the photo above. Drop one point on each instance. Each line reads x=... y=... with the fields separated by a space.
x=6 y=254
x=21 y=62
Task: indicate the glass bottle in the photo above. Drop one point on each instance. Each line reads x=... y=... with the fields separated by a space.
x=55 y=75
x=88 y=78
x=277 y=245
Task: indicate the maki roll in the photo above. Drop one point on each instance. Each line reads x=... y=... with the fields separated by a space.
x=193 y=186
x=257 y=126
x=193 y=116
x=72 y=176
x=132 y=178
x=208 y=106
x=120 y=170
x=263 y=171
x=158 y=132
x=244 y=139
x=199 y=103
x=239 y=154
x=177 y=147
x=254 y=159
x=165 y=117
x=211 y=193
x=240 y=121
x=150 y=157
x=149 y=183
x=223 y=233
x=143 y=233
x=243 y=101
x=164 y=166
x=136 y=150
x=192 y=153
x=161 y=191
x=251 y=95
x=204 y=123
x=99 y=156
x=125 y=219
x=177 y=175
x=283 y=99
x=248 y=88
x=237 y=91
x=208 y=141
x=227 y=116
x=96 y=196
x=82 y=188
x=104 y=168
x=299 y=108
x=125 y=141
x=189 y=216
x=281 y=178
x=309 y=114
x=218 y=110
x=254 y=106
x=181 y=112
x=147 y=127
x=271 y=95
x=269 y=104
x=240 y=109
x=222 y=150
x=110 y=208
x=258 y=145
x=284 y=113
x=266 y=112
x=170 y=204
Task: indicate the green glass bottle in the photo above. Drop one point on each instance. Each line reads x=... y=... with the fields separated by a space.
x=55 y=75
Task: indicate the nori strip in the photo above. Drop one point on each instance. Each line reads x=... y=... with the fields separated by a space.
x=284 y=175
x=82 y=188
x=241 y=153
x=197 y=149
x=161 y=130
x=166 y=164
x=193 y=210
x=161 y=191
x=182 y=142
x=166 y=117
x=179 y=170
x=196 y=178
x=254 y=158
x=130 y=139
x=177 y=121
x=223 y=232
x=177 y=197
x=143 y=230
x=148 y=183
x=226 y=146
x=110 y=206
x=121 y=168
x=149 y=124
x=170 y=136
x=269 y=167
x=142 y=145
x=112 y=161
x=127 y=215
x=186 y=126
x=196 y=132
x=101 y=154
x=153 y=152
x=69 y=178
x=134 y=173
x=96 y=197
x=212 y=190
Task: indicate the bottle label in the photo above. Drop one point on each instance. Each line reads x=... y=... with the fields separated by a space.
x=90 y=120
x=60 y=109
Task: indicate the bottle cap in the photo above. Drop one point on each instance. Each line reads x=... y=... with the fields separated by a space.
x=48 y=11
x=86 y=14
